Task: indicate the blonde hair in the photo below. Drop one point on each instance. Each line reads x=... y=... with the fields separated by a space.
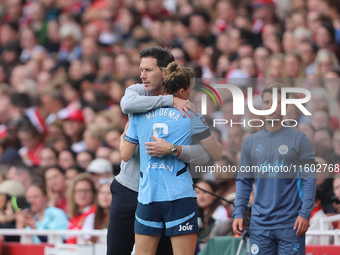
x=109 y=117
x=278 y=56
x=98 y=130
x=72 y=208
x=322 y=54
x=302 y=65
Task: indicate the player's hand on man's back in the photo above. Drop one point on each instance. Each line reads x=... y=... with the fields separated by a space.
x=238 y=226
x=184 y=106
x=302 y=225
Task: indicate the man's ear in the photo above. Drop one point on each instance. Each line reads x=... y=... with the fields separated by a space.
x=164 y=73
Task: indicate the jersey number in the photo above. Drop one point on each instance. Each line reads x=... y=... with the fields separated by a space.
x=157 y=126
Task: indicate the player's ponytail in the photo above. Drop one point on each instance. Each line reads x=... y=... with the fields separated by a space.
x=177 y=77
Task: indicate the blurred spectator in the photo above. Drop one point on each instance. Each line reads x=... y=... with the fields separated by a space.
x=67 y=158
x=94 y=136
x=81 y=205
x=48 y=157
x=324 y=137
x=103 y=152
x=21 y=173
x=40 y=215
x=10 y=192
x=336 y=189
x=56 y=187
x=274 y=66
x=314 y=223
x=104 y=197
x=73 y=128
x=308 y=52
x=112 y=138
x=324 y=61
x=225 y=178
x=71 y=172
x=70 y=36
x=210 y=211
x=84 y=158
x=336 y=146
x=307 y=129
x=30 y=46
x=100 y=168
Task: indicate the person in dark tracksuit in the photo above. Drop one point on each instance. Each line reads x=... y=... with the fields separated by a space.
x=284 y=192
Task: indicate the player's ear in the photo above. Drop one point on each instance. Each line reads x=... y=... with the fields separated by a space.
x=181 y=92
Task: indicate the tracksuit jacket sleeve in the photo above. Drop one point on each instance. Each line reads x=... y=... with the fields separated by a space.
x=136 y=100
x=244 y=185
x=308 y=177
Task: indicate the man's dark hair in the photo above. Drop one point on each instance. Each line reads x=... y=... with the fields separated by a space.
x=13 y=25
x=79 y=169
x=20 y=167
x=21 y=100
x=163 y=56
x=314 y=46
x=62 y=171
x=203 y=14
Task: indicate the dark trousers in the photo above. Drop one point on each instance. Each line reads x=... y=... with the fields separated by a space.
x=120 y=236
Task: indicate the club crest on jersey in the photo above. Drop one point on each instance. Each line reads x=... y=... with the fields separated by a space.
x=283 y=149
x=255 y=249
x=204 y=121
x=259 y=148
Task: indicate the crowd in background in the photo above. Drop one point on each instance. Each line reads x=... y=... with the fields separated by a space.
x=64 y=66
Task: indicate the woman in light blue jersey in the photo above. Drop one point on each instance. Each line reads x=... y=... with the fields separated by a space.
x=40 y=215
x=166 y=200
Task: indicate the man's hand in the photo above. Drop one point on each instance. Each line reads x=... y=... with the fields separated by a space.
x=158 y=147
x=238 y=226
x=302 y=224
x=184 y=106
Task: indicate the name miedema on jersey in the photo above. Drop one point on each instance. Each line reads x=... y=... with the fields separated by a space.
x=166 y=112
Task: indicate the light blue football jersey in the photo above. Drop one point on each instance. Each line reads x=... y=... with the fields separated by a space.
x=164 y=178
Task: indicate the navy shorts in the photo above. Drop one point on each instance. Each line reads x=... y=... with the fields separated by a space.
x=171 y=218
x=276 y=242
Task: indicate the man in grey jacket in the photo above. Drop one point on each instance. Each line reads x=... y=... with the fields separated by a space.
x=143 y=98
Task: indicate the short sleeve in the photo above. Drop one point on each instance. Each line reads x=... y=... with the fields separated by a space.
x=199 y=128
x=132 y=132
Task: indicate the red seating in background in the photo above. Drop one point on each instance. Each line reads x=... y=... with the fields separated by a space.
x=9 y=248
x=322 y=250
